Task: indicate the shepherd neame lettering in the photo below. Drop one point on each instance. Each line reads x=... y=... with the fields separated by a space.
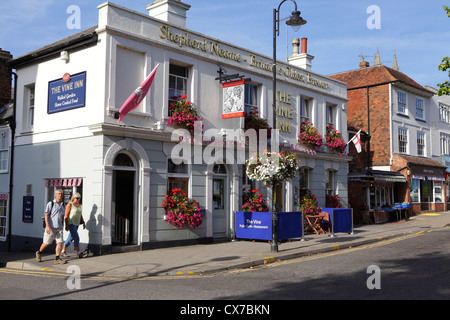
x=184 y=40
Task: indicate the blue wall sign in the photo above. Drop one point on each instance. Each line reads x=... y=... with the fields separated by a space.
x=67 y=93
x=28 y=209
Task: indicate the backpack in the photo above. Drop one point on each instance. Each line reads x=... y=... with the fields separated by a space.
x=51 y=208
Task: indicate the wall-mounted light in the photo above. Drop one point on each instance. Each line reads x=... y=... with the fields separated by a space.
x=64 y=56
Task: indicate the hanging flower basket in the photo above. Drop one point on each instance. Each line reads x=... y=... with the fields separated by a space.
x=182 y=211
x=183 y=114
x=272 y=167
x=254 y=202
x=310 y=136
x=335 y=140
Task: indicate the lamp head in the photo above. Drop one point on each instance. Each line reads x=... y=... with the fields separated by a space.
x=295 y=21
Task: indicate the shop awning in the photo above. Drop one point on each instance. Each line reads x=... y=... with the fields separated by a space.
x=388 y=176
x=377 y=176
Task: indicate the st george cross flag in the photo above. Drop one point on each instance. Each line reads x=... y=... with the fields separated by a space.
x=357 y=141
x=137 y=96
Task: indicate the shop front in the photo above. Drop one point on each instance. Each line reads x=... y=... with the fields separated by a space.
x=427 y=183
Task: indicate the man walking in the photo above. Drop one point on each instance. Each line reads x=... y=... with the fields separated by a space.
x=54 y=222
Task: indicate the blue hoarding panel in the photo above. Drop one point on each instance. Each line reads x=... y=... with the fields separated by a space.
x=341 y=219
x=289 y=225
x=254 y=225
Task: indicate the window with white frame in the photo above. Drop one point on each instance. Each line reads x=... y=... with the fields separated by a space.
x=178 y=83
x=4 y=150
x=3 y=217
x=28 y=114
x=330 y=116
x=305 y=110
x=402 y=140
x=444 y=113
x=330 y=182
x=401 y=102
x=445 y=144
x=420 y=143
x=178 y=176
x=303 y=178
x=420 y=112
x=251 y=99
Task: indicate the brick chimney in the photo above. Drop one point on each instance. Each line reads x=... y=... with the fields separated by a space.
x=5 y=77
x=300 y=59
x=171 y=11
x=363 y=64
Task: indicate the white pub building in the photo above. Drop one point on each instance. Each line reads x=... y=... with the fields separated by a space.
x=68 y=135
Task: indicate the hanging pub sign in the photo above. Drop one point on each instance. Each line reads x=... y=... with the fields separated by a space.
x=67 y=93
x=233 y=99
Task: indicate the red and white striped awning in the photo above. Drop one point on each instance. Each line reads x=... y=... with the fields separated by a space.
x=64 y=182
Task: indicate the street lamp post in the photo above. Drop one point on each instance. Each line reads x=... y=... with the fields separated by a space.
x=296 y=22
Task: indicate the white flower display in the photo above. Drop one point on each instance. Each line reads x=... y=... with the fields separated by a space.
x=272 y=167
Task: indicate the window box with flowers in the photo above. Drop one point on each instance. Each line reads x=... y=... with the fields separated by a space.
x=310 y=136
x=182 y=113
x=335 y=141
x=182 y=211
x=253 y=121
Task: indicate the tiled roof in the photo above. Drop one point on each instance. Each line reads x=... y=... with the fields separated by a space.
x=375 y=75
x=422 y=161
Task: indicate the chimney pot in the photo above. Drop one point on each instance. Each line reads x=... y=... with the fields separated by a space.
x=304 y=45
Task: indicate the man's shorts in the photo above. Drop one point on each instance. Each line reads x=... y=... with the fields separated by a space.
x=55 y=234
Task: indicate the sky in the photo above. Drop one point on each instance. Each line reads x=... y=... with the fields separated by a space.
x=338 y=31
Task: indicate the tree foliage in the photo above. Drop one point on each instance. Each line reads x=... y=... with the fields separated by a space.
x=444 y=88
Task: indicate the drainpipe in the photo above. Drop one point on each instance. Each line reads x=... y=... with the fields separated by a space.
x=369 y=164
x=12 y=124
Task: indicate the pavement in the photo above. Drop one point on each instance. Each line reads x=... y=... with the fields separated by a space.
x=205 y=259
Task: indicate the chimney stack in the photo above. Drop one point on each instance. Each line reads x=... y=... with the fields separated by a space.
x=170 y=11
x=363 y=64
x=303 y=59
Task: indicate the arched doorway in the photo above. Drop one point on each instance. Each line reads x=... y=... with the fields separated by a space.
x=124 y=223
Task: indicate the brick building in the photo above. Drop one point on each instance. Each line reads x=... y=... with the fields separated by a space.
x=6 y=112
x=393 y=113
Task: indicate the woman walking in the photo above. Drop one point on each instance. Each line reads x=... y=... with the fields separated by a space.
x=73 y=218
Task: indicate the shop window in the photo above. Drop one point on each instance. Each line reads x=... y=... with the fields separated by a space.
x=3 y=216
x=438 y=194
x=4 y=150
x=414 y=190
x=178 y=82
x=402 y=140
x=420 y=112
x=68 y=186
x=401 y=103
x=178 y=176
x=421 y=143
x=305 y=110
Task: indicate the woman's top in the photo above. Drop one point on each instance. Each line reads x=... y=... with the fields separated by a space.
x=75 y=215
